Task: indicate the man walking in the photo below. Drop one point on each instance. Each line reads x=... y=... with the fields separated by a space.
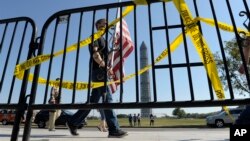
x=99 y=51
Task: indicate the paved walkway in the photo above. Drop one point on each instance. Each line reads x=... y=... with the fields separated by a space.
x=135 y=134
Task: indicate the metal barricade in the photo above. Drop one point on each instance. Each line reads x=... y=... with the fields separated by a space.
x=63 y=52
x=17 y=45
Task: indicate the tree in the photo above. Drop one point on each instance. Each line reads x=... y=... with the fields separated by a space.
x=122 y=116
x=233 y=60
x=179 y=113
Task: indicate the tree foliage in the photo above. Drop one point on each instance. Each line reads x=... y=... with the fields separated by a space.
x=122 y=116
x=179 y=113
x=233 y=61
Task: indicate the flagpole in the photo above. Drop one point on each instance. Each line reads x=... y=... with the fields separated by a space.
x=114 y=36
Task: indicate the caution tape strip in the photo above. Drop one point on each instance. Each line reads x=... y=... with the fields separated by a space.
x=192 y=30
x=202 y=49
x=42 y=58
x=20 y=68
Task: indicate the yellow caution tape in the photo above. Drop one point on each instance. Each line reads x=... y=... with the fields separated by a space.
x=42 y=58
x=202 y=49
x=30 y=63
x=192 y=30
x=200 y=45
x=223 y=26
x=163 y=55
x=20 y=68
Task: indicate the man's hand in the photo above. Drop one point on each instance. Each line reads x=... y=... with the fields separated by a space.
x=110 y=72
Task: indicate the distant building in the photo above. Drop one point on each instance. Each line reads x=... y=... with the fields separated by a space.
x=145 y=81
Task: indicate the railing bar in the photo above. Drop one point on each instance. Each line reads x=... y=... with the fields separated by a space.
x=136 y=55
x=64 y=57
x=222 y=50
x=188 y=63
x=3 y=37
x=77 y=58
x=8 y=56
x=120 y=63
x=91 y=58
x=211 y=93
x=17 y=61
x=166 y=27
x=152 y=54
x=50 y=61
x=169 y=54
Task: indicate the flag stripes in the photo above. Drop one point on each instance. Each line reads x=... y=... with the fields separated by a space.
x=127 y=49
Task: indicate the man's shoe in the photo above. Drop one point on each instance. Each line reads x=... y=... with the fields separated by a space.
x=72 y=129
x=117 y=134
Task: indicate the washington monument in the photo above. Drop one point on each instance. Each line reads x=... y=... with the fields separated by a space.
x=145 y=81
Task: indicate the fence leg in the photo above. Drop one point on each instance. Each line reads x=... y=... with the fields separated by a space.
x=27 y=127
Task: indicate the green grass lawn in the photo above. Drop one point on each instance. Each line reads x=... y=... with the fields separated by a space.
x=159 y=122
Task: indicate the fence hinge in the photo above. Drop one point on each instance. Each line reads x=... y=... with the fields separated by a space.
x=34 y=46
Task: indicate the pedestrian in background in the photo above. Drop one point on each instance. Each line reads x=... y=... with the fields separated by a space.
x=139 y=120
x=103 y=125
x=134 y=119
x=130 y=119
x=152 y=120
x=54 y=113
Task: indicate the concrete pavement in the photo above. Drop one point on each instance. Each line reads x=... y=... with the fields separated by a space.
x=135 y=134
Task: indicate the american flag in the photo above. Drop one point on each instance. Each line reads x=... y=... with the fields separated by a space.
x=127 y=48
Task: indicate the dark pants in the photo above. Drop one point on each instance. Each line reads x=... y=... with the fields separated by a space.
x=96 y=94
